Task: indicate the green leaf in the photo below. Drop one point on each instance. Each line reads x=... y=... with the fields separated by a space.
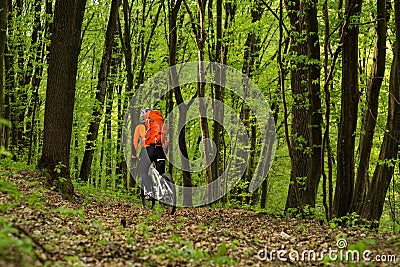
x=222 y=250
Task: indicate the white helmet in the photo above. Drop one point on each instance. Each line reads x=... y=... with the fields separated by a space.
x=144 y=111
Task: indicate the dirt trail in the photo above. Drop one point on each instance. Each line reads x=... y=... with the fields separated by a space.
x=114 y=232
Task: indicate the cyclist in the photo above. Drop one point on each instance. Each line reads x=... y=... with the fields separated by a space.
x=151 y=136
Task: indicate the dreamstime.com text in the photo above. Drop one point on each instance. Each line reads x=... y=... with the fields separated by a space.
x=339 y=254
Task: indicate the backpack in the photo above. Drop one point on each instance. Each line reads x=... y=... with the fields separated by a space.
x=154 y=124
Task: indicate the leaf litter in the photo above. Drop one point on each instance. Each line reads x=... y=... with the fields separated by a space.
x=118 y=232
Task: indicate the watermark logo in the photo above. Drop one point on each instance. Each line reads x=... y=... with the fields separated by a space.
x=340 y=253
x=341 y=243
x=244 y=91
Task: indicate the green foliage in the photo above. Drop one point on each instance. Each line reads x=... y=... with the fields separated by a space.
x=352 y=220
x=362 y=245
x=35 y=201
x=10 y=164
x=90 y=193
x=10 y=189
x=188 y=253
x=68 y=212
x=306 y=212
x=14 y=250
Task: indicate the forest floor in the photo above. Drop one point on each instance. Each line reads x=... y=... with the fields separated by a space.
x=39 y=228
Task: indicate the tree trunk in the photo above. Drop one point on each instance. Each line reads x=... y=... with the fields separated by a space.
x=251 y=53
x=127 y=47
x=101 y=179
x=6 y=106
x=115 y=63
x=3 y=36
x=327 y=198
x=126 y=39
x=36 y=77
x=315 y=115
x=169 y=106
x=107 y=122
x=264 y=194
x=186 y=175
x=219 y=93
x=8 y=83
x=371 y=112
x=375 y=199
x=121 y=169
x=19 y=95
x=221 y=50
x=60 y=93
x=200 y=36
x=101 y=91
x=349 y=111
x=299 y=131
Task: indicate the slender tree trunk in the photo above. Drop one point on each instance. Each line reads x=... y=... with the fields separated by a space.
x=221 y=51
x=300 y=135
x=375 y=199
x=76 y=149
x=9 y=97
x=329 y=74
x=327 y=179
x=7 y=88
x=140 y=76
x=282 y=81
x=115 y=63
x=169 y=106
x=121 y=169
x=200 y=36
x=315 y=115
x=8 y=80
x=219 y=93
x=251 y=53
x=371 y=112
x=349 y=112
x=102 y=165
x=230 y=9
x=169 y=101
x=101 y=91
x=3 y=36
x=108 y=141
x=264 y=194
x=173 y=36
x=19 y=95
x=126 y=40
x=127 y=47
x=60 y=93
x=36 y=77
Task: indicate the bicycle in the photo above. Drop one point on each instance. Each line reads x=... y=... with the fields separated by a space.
x=162 y=189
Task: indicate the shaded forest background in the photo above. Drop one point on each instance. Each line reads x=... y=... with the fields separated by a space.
x=329 y=70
